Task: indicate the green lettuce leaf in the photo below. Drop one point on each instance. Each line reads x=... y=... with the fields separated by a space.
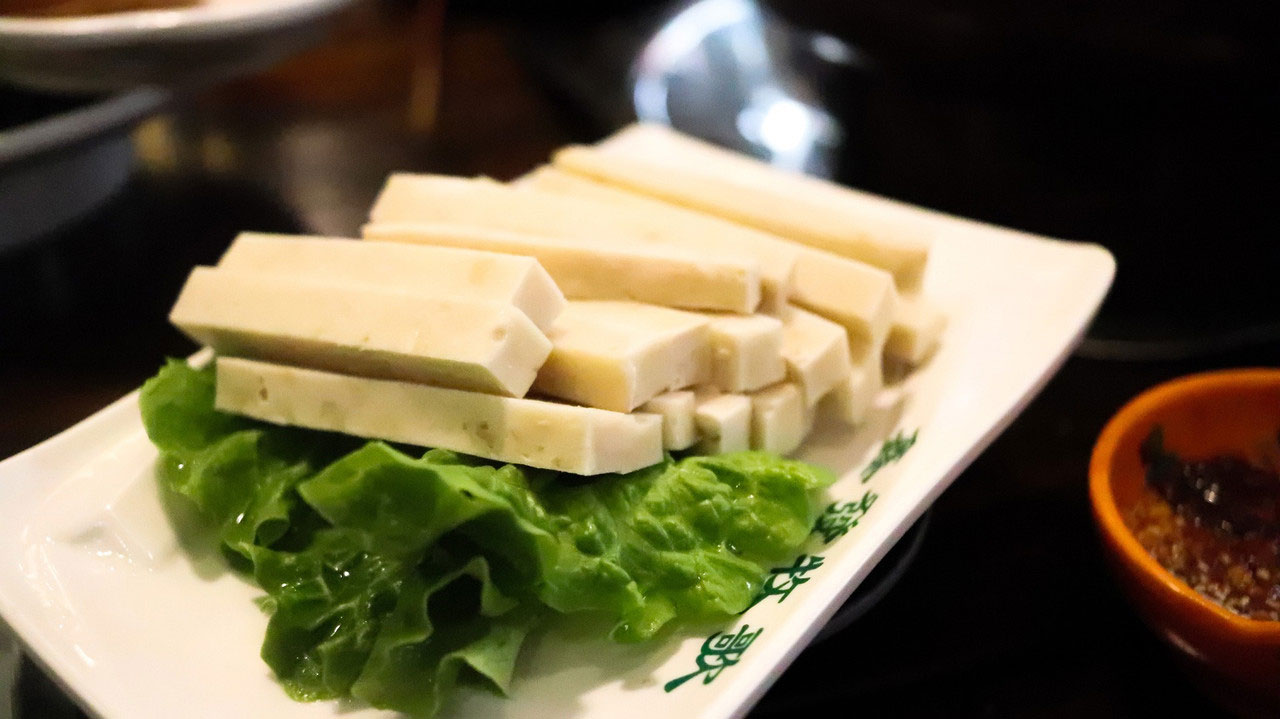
x=391 y=577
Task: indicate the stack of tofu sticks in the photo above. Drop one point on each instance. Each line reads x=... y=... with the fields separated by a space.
x=713 y=304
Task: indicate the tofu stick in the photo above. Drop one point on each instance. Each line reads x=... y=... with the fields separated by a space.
x=436 y=199
x=661 y=162
x=723 y=422
x=916 y=330
x=580 y=440
x=816 y=352
x=746 y=351
x=779 y=418
x=860 y=297
x=619 y=355
x=429 y=271
x=677 y=411
x=655 y=274
x=362 y=330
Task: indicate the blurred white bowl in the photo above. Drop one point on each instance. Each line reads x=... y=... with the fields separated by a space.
x=213 y=40
x=59 y=167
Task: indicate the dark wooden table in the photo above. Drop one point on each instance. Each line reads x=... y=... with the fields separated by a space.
x=1009 y=609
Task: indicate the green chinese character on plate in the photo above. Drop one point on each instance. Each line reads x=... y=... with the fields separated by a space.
x=783 y=580
x=719 y=652
x=891 y=451
x=840 y=517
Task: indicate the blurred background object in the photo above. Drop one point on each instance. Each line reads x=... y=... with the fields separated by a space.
x=97 y=46
x=10 y=660
x=61 y=157
x=721 y=70
x=72 y=8
x=1145 y=128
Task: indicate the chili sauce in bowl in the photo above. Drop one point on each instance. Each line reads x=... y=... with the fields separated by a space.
x=1213 y=523
x=1183 y=487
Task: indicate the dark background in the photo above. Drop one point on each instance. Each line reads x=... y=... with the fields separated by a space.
x=1150 y=129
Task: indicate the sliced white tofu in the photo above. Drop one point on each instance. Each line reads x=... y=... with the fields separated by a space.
x=723 y=422
x=437 y=199
x=746 y=352
x=855 y=294
x=854 y=396
x=619 y=355
x=656 y=274
x=677 y=410
x=869 y=359
x=661 y=162
x=779 y=418
x=816 y=352
x=362 y=330
x=860 y=297
x=916 y=331
x=433 y=271
x=533 y=432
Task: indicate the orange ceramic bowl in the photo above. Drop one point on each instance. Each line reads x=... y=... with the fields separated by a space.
x=1235 y=411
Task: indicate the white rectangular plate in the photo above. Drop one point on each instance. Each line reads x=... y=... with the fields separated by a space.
x=135 y=626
